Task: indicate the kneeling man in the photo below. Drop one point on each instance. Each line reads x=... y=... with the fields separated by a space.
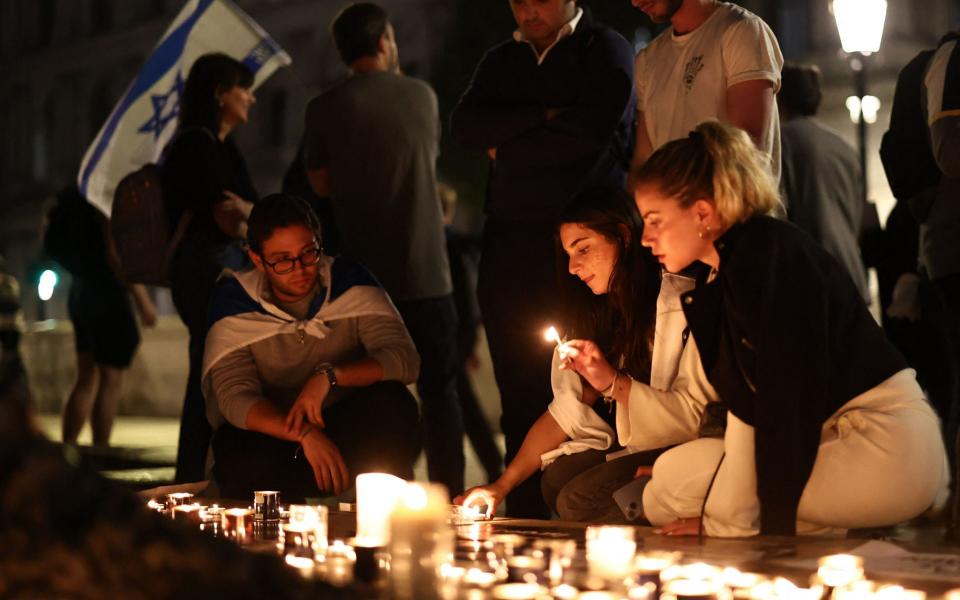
x=304 y=368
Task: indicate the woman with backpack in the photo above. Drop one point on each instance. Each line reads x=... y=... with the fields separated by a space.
x=206 y=182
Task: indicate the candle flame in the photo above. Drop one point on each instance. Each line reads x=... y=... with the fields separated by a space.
x=551 y=335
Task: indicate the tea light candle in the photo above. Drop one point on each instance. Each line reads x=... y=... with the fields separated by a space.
x=691 y=589
x=610 y=551
x=648 y=565
x=527 y=569
x=189 y=513
x=564 y=592
x=377 y=494
x=896 y=592
x=179 y=498
x=266 y=505
x=839 y=570
x=304 y=566
x=238 y=524
x=518 y=591
x=211 y=513
x=154 y=505
x=481 y=579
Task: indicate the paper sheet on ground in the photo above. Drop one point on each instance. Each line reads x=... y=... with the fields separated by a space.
x=883 y=560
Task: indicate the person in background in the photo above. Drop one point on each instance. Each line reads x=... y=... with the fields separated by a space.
x=553 y=108
x=205 y=180
x=821 y=180
x=716 y=60
x=462 y=254
x=13 y=375
x=376 y=161
x=104 y=327
x=827 y=428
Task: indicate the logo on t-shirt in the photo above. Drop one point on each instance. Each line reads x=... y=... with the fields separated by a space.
x=690 y=71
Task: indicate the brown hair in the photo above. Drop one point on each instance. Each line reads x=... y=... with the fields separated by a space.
x=715 y=161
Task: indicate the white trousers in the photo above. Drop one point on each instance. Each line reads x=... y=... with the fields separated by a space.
x=881 y=461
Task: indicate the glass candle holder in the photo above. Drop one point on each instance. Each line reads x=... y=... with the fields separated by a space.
x=610 y=552
x=266 y=505
x=179 y=498
x=237 y=525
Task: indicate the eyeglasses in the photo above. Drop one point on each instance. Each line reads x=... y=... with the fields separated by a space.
x=287 y=265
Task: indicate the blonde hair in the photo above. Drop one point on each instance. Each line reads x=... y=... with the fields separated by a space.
x=715 y=161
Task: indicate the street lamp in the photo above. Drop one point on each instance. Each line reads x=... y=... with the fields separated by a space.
x=860 y=23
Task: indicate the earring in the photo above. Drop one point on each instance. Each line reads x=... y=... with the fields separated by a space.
x=700 y=233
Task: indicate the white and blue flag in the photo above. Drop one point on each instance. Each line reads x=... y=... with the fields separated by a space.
x=146 y=116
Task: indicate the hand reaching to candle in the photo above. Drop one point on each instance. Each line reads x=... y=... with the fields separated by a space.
x=585 y=357
x=485 y=497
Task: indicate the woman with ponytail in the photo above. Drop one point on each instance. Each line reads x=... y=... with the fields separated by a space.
x=827 y=428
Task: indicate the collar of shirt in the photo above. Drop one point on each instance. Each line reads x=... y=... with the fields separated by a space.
x=565 y=31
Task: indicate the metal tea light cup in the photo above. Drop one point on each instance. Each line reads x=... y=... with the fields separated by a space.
x=266 y=505
x=237 y=525
x=178 y=499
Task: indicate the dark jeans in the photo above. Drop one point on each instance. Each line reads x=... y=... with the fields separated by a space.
x=939 y=361
x=196 y=266
x=579 y=487
x=375 y=429
x=518 y=296
x=432 y=323
x=477 y=429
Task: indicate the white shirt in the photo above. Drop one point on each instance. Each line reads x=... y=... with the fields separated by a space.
x=566 y=30
x=682 y=80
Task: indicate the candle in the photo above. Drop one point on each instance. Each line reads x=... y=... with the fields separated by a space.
x=420 y=541
x=896 y=592
x=691 y=589
x=648 y=565
x=840 y=570
x=304 y=566
x=238 y=524
x=337 y=565
x=179 y=498
x=610 y=551
x=266 y=505
x=189 y=513
x=518 y=591
x=478 y=578
x=377 y=494
x=527 y=569
x=467 y=514
x=564 y=592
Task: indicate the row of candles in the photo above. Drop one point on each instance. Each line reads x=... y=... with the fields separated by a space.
x=406 y=540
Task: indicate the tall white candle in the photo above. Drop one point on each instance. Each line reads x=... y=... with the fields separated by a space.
x=376 y=496
x=421 y=541
x=610 y=551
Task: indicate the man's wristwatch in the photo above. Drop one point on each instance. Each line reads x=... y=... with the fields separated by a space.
x=327 y=369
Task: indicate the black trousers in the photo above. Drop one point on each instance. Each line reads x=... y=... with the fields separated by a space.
x=432 y=323
x=376 y=429
x=518 y=295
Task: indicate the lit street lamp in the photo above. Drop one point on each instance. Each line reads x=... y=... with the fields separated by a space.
x=860 y=23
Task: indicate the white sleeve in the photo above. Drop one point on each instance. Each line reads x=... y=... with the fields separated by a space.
x=656 y=418
x=751 y=52
x=581 y=424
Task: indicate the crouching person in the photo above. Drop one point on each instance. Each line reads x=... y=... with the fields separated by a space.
x=304 y=367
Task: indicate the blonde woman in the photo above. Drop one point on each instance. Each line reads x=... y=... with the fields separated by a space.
x=827 y=427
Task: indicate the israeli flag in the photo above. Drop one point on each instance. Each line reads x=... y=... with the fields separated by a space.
x=146 y=116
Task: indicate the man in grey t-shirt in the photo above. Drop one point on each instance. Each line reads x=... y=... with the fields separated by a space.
x=370 y=144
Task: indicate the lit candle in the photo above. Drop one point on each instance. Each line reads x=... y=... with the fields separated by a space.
x=551 y=335
x=304 y=566
x=337 y=565
x=476 y=499
x=478 y=578
x=377 y=494
x=518 y=591
x=154 y=505
x=187 y=512
x=691 y=589
x=896 y=592
x=238 y=524
x=564 y=591
x=840 y=570
x=648 y=566
x=179 y=498
x=610 y=551
x=420 y=541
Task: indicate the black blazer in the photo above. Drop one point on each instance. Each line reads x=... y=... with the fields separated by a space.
x=786 y=340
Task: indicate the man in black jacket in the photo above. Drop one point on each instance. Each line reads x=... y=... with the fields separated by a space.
x=553 y=108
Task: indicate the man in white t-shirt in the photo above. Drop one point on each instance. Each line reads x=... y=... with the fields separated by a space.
x=715 y=61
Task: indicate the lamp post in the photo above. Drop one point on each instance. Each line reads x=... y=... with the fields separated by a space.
x=860 y=23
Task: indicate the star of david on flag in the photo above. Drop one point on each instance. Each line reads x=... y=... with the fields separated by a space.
x=145 y=118
x=166 y=107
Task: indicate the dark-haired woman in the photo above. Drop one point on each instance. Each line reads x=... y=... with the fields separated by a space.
x=827 y=428
x=206 y=183
x=612 y=300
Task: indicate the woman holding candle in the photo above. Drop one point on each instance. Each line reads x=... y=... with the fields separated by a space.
x=611 y=297
x=827 y=427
